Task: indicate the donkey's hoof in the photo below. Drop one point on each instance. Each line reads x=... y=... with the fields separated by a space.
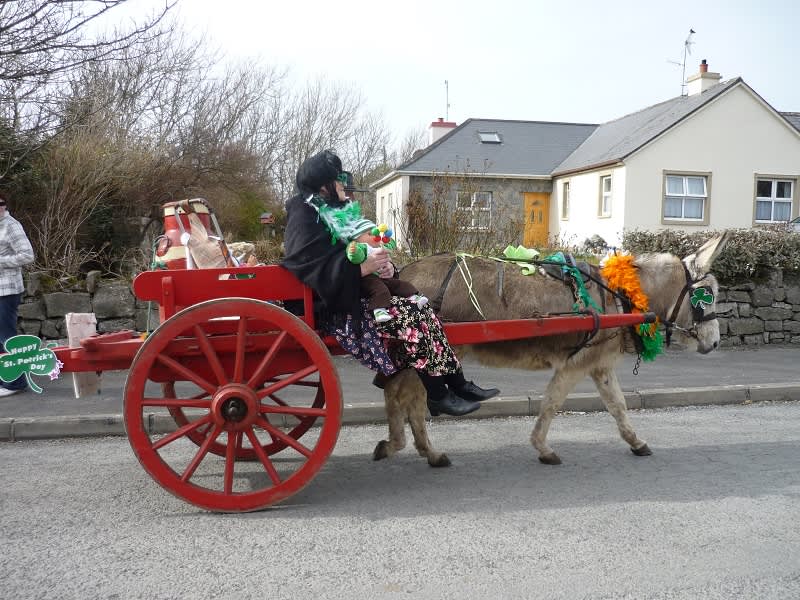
x=439 y=461
x=381 y=450
x=642 y=451
x=549 y=459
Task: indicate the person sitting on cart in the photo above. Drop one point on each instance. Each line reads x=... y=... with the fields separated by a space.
x=347 y=224
x=323 y=266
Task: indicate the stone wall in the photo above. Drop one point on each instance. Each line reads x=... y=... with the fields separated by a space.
x=42 y=312
x=763 y=313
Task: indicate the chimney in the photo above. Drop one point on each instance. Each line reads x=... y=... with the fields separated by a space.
x=700 y=82
x=439 y=128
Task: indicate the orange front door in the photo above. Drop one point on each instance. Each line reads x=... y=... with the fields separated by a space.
x=537 y=217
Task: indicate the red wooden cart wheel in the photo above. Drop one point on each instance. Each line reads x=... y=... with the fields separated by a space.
x=248 y=364
x=199 y=436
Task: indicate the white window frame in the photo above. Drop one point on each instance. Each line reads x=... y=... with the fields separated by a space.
x=606 y=196
x=565 y=201
x=479 y=203
x=772 y=199
x=686 y=194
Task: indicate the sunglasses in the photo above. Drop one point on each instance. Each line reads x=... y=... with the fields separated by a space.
x=2 y=203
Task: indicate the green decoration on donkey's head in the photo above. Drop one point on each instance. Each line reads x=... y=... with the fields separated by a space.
x=25 y=355
x=702 y=297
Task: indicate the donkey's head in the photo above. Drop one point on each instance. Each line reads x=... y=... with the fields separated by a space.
x=683 y=293
x=693 y=313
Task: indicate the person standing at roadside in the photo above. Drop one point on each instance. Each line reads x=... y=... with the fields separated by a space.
x=15 y=253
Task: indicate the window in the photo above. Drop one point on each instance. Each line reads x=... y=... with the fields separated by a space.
x=773 y=200
x=490 y=137
x=565 y=200
x=605 y=196
x=479 y=206
x=685 y=197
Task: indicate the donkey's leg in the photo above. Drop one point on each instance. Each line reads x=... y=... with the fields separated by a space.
x=396 y=417
x=611 y=393
x=405 y=396
x=562 y=382
x=417 y=413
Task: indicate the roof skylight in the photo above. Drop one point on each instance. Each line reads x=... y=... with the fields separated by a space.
x=490 y=137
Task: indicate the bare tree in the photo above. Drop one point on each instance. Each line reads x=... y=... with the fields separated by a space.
x=42 y=44
x=40 y=38
x=413 y=141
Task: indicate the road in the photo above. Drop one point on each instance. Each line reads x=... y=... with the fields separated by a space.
x=675 y=368
x=713 y=514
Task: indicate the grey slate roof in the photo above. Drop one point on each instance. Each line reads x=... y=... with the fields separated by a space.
x=618 y=139
x=793 y=118
x=543 y=149
x=530 y=148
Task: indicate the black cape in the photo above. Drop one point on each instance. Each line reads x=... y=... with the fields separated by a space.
x=321 y=265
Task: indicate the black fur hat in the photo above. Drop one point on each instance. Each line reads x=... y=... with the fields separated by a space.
x=317 y=171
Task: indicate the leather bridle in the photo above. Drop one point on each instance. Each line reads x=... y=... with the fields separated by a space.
x=701 y=297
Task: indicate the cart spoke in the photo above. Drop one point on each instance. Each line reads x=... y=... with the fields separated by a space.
x=173 y=364
x=262 y=456
x=277 y=400
x=291 y=379
x=257 y=378
x=211 y=355
x=234 y=444
x=180 y=432
x=287 y=439
x=241 y=338
x=200 y=455
x=280 y=402
x=177 y=402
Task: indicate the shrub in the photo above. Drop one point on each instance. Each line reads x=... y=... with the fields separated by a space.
x=748 y=255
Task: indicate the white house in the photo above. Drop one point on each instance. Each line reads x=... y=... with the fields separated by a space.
x=719 y=157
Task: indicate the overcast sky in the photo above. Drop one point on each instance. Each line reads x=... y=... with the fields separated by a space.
x=578 y=61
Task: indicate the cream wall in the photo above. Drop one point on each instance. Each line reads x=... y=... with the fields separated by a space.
x=583 y=221
x=392 y=214
x=734 y=138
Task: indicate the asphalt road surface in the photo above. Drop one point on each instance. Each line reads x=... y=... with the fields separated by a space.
x=676 y=368
x=713 y=514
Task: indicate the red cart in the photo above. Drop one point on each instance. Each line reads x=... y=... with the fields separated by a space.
x=233 y=403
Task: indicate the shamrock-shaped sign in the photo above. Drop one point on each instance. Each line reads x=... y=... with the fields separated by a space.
x=702 y=297
x=25 y=355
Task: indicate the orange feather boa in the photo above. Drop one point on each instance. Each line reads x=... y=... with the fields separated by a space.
x=621 y=275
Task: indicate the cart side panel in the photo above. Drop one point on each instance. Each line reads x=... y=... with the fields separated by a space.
x=176 y=289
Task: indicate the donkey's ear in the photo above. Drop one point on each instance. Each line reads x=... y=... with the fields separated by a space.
x=700 y=262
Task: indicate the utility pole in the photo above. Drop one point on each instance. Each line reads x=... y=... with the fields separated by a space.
x=447 y=100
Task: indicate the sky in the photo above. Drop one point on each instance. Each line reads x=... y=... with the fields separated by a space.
x=578 y=61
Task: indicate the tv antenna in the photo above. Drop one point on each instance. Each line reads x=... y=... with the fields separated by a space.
x=687 y=50
x=447 y=100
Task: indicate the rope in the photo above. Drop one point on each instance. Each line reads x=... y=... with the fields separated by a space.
x=467 y=276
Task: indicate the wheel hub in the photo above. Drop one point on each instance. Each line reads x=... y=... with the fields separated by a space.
x=234 y=406
x=234 y=409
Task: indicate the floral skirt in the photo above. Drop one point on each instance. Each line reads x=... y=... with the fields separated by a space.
x=412 y=338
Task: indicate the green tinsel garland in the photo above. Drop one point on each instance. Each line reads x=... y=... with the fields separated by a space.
x=583 y=298
x=344 y=223
x=652 y=340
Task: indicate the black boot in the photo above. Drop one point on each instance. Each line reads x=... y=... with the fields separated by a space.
x=380 y=380
x=443 y=400
x=467 y=389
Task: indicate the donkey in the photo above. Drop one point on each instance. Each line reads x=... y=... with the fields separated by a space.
x=501 y=291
